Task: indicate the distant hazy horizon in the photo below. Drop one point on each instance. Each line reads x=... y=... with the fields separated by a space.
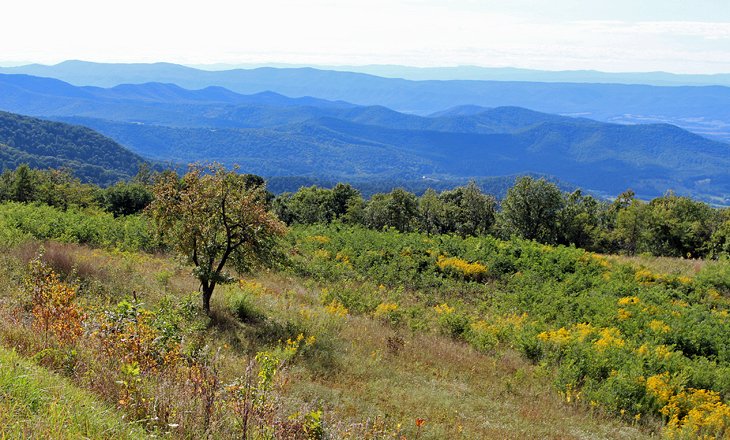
x=611 y=36
x=374 y=68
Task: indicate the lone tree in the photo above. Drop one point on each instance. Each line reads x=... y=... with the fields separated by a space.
x=214 y=217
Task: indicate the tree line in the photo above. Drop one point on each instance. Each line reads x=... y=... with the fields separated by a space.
x=533 y=208
x=60 y=188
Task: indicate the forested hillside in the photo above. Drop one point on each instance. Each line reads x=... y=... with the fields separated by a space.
x=45 y=144
x=340 y=141
x=604 y=158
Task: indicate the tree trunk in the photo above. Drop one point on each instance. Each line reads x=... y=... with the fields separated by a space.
x=207 y=293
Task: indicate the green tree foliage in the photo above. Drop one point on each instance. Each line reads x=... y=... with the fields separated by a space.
x=431 y=213
x=534 y=209
x=54 y=187
x=630 y=230
x=720 y=239
x=579 y=220
x=309 y=205
x=59 y=187
x=670 y=226
x=319 y=205
x=679 y=226
x=126 y=198
x=24 y=185
x=355 y=211
x=397 y=209
x=531 y=210
x=213 y=217
x=467 y=211
x=341 y=195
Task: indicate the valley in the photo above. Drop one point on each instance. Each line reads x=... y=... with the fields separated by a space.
x=335 y=140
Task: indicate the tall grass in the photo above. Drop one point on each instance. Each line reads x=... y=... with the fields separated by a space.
x=35 y=403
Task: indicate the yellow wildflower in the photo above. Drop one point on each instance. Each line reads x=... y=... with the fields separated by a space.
x=443 y=309
x=384 y=309
x=658 y=326
x=468 y=270
x=623 y=314
x=628 y=300
x=336 y=308
x=560 y=336
x=610 y=337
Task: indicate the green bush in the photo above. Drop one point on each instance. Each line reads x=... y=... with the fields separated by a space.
x=243 y=308
x=90 y=226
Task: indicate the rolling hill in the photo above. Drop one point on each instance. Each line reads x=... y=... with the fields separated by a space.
x=43 y=144
x=605 y=158
x=273 y=135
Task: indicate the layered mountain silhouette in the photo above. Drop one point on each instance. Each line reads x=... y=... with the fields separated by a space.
x=703 y=110
x=273 y=135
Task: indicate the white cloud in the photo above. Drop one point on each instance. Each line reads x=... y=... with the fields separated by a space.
x=413 y=32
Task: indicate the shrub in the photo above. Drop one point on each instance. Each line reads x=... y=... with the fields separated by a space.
x=483 y=336
x=462 y=268
x=243 y=308
x=55 y=314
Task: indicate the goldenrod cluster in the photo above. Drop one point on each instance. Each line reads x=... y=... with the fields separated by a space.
x=468 y=270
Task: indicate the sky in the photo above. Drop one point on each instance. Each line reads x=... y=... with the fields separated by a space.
x=681 y=36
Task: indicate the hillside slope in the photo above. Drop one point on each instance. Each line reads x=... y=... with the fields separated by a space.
x=604 y=158
x=337 y=140
x=35 y=402
x=366 y=376
x=43 y=144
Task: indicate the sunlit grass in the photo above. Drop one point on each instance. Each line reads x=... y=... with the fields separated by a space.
x=371 y=377
x=35 y=403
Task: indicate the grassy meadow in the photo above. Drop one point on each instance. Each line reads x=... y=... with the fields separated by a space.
x=354 y=334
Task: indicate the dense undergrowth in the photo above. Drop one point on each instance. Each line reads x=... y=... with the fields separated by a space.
x=93 y=226
x=148 y=353
x=273 y=355
x=361 y=333
x=637 y=343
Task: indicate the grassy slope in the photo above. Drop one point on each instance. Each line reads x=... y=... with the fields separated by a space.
x=460 y=392
x=35 y=403
x=358 y=380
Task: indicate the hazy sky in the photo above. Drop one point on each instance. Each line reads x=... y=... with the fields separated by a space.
x=689 y=36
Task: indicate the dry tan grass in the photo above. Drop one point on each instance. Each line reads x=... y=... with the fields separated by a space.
x=664 y=265
x=366 y=383
x=460 y=392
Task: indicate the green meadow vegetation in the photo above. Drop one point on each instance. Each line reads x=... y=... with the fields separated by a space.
x=636 y=342
x=364 y=323
x=35 y=403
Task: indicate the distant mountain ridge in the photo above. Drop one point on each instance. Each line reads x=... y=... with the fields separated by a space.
x=704 y=110
x=46 y=144
x=273 y=135
x=344 y=150
x=482 y=73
